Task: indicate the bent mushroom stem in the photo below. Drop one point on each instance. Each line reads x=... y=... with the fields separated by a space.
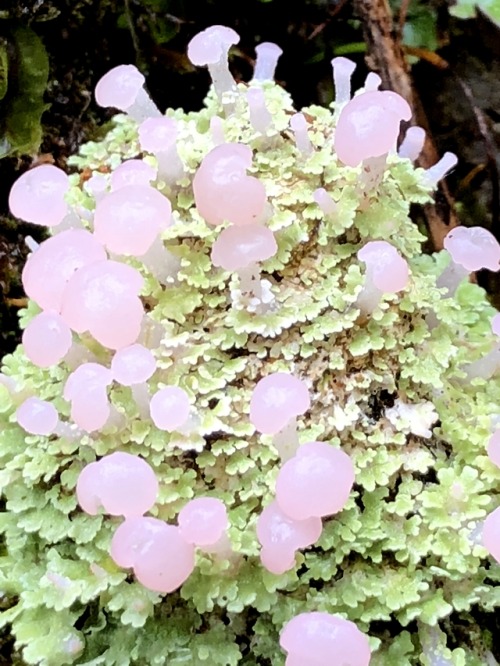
x=143 y=107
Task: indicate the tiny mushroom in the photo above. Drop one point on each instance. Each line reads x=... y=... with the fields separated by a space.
x=38 y=196
x=322 y=639
x=298 y=124
x=170 y=408
x=86 y=390
x=161 y=559
x=203 y=522
x=37 y=417
x=210 y=48
x=368 y=126
x=121 y=483
x=260 y=117
x=133 y=366
x=47 y=339
x=268 y=55
x=132 y=172
x=316 y=482
x=280 y=537
x=123 y=88
x=386 y=273
x=412 y=144
x=343 y=69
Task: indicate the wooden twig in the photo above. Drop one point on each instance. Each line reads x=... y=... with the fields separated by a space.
x=386 y=56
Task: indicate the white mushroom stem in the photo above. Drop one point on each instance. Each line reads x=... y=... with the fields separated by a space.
x=412 y=144
x=372 y=82
x=369 y=297
x=250 y=280
x=160 y=262
x=298 y=123
x=286 y=441
x=221 y=76
x=325 y=201
x=142 y=397
x=31 y=244
x=143 y=107
x=260 y=117
x=170 y=166
x=217 y=130
x=484 y=367
x=222 y=548
x=343 y=69
x=451 y=277
x=440 y=169
x=373 y=172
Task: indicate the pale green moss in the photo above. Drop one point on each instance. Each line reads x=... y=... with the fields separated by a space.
x=404 y=548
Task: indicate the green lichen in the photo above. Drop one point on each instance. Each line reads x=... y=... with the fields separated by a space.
x=405 y=547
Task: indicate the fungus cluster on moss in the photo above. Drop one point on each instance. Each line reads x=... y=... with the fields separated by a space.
x=233 y=387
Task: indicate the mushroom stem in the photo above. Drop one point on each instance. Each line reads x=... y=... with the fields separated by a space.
x=451 y=277
x=343 y=69
x=217 y=130
x=143 y=107
x=260 y=117
x=485 y=367
x=286 y=441
x=325 y=201
x=440 y=169
x=161 y=263
x=298 y=124
x=369 y=297
x=412 y=144
x=221 y=77
x=141 y=396
x=373 y=172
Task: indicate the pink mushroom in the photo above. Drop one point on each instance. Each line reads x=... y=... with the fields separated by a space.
x=132 y=172
x=169 y=408
x=277 y=400
x=159 y=137
x=133 y=366
x=386 y=273
x=49 y=268
x=280 y=537
x=325 y=201
x=491 y=534
x=439 y=170
x=162 y=561
x=322 y=639
x=210 y=48
x=316 y=482
x=85 y=389
x=343 y=69
x=121 y=483
x=123 y=88
x=222 y=189
x=268 y=55
x=38 y=196
x=237 y=248
x=47 y=339
x=38 y=417
x=368 y=126
x=203 y=522
x=103 y=298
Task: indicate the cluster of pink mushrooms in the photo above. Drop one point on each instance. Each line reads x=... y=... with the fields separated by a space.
x=83 y=285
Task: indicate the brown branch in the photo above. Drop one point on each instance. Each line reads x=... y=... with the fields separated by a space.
x=386 y=56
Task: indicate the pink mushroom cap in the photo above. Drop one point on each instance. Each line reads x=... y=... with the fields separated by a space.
x=203 y=521
x=47 y=339
x=385 y=266
x=48 y=269
x=157 y=134
x=474 y=248
x=85 y=388
x=38 y=417
x=276 y=400
x=133 y=365
x=368 y=126
x=38 y=195
x=223 y=191
x=238 y=247
x=280 y=537
x=491 y=534
x=102 y=298
x=129 y=220
x=132 y=537
x=211 y=45
x=119 y=87
x=322 y=639
x=121 y=483
x=132 y=172
x=169 y=408
x=316 y=482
